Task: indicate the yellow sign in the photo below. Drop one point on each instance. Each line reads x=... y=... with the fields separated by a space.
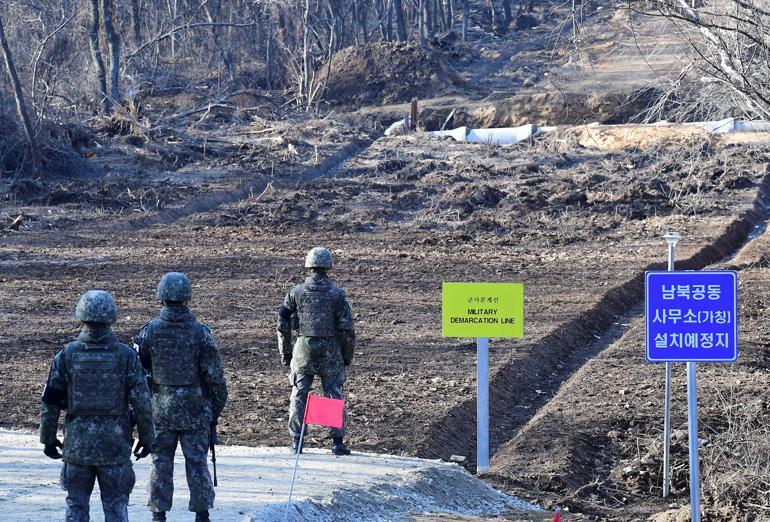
x=482 y=310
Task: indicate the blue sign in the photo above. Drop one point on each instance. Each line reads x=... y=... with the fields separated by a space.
x=691 y=316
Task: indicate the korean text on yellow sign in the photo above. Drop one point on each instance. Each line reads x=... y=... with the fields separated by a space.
x=482 y=310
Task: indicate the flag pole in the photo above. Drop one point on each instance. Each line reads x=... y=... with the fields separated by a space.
x=296 y=461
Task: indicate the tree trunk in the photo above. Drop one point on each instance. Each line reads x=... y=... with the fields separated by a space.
x=113 y=43
x=172 y=11
x=363 y=14
x=306 y=54
x=421 y=21
x=379 y=10
x=336 y=26
x=448 y=15
x=355 y=22
x=507 y=11
x=493 y=12
x=438 y=16
x=400 y=20
x=21 y=106
x=465 y=20
x=96 y=53
x=269 y=48
x=224 y=50
x=136 y=22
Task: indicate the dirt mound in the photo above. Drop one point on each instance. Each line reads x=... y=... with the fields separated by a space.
x=637 y=136
x=563 y=108
x=62 y=147
x=386 y=73
x=543 y=108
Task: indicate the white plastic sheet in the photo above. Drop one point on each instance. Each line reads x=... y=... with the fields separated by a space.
x=511 y=135
x=496 y=136
x=396 y=125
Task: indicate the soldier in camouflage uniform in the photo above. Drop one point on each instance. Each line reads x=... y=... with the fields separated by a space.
x=320 y=313
x=188 y=395
x=95 y=378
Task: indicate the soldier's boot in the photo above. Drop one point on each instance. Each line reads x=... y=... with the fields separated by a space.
x=339 y=448
x=297 y=443
x=159 y=516
x=202 y=516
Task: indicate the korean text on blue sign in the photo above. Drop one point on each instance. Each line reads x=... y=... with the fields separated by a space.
x=691 y=316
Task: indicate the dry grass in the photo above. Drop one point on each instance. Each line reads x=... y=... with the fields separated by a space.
x=736 y=456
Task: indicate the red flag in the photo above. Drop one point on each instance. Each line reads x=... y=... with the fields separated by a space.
x=557 y=516
x=327 y=412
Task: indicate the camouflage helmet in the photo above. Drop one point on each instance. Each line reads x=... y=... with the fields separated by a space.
x=96 y=306
x=174 y=287
x=319 y=257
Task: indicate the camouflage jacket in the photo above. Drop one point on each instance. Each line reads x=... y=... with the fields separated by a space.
x=326 y=336
x=187 y=385
x=93 y=374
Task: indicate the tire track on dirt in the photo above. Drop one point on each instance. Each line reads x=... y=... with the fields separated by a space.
x=213 y=201
x=546 y=364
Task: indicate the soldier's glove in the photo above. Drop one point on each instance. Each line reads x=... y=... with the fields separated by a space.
x=142 y=449
x=286 y=359
x=51 y=451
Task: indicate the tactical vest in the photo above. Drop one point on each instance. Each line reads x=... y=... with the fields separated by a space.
x=96 y=379
x=174 y=352
x=316 y=310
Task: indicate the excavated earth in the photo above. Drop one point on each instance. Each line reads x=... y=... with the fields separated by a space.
x=576 y=226
x=235 y=200
x=598 y=448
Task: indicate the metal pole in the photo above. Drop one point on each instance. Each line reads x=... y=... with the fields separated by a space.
x=296 y=464
x=667 y=433
x=301 y=444
x=692 y=420
x=482 y=406
x=671 y=238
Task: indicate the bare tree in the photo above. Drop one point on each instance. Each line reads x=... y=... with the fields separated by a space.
x=136 y=22
x=730 y=49
x=21 y=106
x=269 y=47
x=96 y=54
x=113 y=44
x=466 y=15
x=163 y=44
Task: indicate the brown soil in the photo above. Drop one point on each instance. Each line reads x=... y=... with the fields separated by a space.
x=401 y=217
x=599 y=449
x=386 y=73
x=236 y=196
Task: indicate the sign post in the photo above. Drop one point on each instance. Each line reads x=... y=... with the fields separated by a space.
x=672 y=238
x=482 y=406
x=692 y=436
x=482 y=310
x=691 y=317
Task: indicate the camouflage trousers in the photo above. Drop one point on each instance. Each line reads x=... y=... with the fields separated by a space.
x=195 y=446
x=115 y=484
x=301 y=385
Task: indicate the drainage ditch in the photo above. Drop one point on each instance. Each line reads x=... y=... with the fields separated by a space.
x=549 y=362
